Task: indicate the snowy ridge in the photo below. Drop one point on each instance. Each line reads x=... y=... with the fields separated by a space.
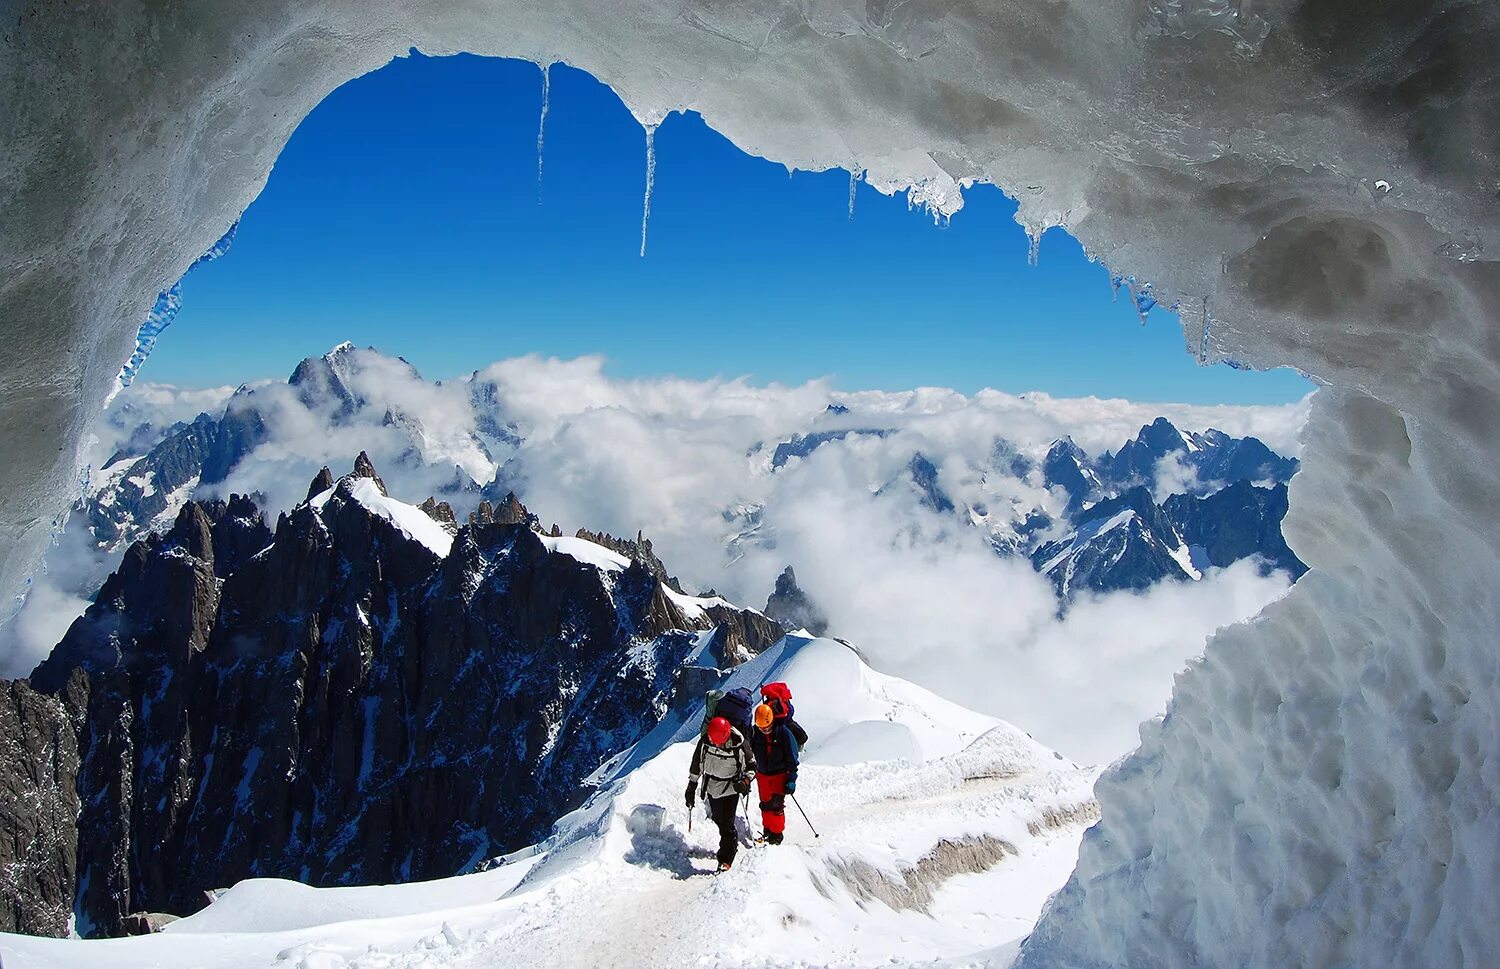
x=408 y=519
x=943 y=832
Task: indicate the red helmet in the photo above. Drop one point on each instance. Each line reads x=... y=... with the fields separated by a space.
x=718 y=731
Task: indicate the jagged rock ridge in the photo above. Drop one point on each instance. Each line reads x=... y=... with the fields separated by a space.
x=353 y=698
x=792 y=607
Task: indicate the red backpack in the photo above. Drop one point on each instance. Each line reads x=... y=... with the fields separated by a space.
x=778 y=696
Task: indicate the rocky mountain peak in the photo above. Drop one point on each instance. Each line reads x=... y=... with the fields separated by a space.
x=511 y=511
x=336 y=703
x=193 y=533
x=365 y=468
x=440 y=512
x=792 y=608
x=321 y=482
x=637 y=550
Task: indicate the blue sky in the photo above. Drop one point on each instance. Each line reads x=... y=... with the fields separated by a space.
x=404 y=214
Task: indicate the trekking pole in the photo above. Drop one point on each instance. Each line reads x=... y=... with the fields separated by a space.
x=804 y=815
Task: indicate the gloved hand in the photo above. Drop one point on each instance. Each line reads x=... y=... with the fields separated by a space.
x=742 y=783
x=692 y=793
x=791 y=785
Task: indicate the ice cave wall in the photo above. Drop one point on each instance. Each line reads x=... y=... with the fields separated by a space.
x=1315 y=181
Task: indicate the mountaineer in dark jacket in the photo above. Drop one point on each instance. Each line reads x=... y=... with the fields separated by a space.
x=724 y=760
x=776 y=752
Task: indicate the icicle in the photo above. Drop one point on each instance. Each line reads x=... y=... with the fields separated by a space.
x=853 y=180
x=1207 y=324
x=161 y=316
x=1034 y=241
x=1142 y=296
x=650 y=182
x=163 y=312
x=541 y=127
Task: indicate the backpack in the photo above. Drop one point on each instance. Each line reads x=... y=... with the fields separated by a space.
x=778 y=696
x=737 y=706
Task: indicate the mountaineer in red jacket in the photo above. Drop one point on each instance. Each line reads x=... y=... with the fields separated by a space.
x=776 y=752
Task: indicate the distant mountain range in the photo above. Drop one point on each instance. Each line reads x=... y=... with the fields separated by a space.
x=1167 y=505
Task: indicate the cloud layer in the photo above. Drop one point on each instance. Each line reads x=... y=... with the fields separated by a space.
x=689 y=462
x=920 y=592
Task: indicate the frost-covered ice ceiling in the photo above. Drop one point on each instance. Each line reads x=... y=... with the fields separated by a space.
x=1318 y=183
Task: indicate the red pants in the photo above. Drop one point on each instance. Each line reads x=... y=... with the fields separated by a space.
x=772 y=790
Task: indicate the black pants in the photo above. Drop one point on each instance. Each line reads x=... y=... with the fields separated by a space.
x=722 y=810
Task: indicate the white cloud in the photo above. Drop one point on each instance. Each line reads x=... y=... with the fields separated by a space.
x=1173 y=476
x=44 y=617
x=920 y=592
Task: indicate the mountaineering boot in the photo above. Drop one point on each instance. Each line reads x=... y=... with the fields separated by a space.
x=772 y=837
x=723 y=867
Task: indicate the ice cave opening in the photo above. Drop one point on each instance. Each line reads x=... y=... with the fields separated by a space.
x=1321 y=791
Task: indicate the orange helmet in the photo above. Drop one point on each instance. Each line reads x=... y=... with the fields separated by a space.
x=718 y=731
x=764 y=715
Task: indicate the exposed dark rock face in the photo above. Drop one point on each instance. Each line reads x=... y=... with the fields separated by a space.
x=241 y=430
x=320 y=484
x=337 y=703
x=638 y=550
x=1135 y=463
x=442 y=513
x=792 y=608
x=1215 y=458
x=740 y=634
x=801 y=445
x=188 y=458
x=1130 y=542
x=144 y=489
x=38 y=806
x=924 y=474
x=512 y=512
x=1231 y=459
x=1066 y=467
x=363 y=468
x=1126 y=542
x=1237 y=522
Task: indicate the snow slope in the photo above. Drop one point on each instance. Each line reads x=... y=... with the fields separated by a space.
x=942 y=834
x=409 y=519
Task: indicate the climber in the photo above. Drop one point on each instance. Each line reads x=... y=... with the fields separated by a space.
x=775 y=747
x=723 y=759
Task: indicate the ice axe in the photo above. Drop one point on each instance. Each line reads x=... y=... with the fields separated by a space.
x=804 y=815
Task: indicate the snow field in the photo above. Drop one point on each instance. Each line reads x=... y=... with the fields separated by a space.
x=942 y=834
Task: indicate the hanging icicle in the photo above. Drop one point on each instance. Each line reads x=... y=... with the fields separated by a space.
x=1208 y=322
x=853 y=180
x=541 y=127
x=1034 y=246
x=650 y=182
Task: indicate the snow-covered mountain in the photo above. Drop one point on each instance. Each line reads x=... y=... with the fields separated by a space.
x=372 y=694
x=368 y=693
x=430 y=437
x=940 y=834
x=467 y=441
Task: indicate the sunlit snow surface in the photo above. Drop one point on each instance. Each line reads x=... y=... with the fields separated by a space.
x=409 y=519
x=892 y=771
